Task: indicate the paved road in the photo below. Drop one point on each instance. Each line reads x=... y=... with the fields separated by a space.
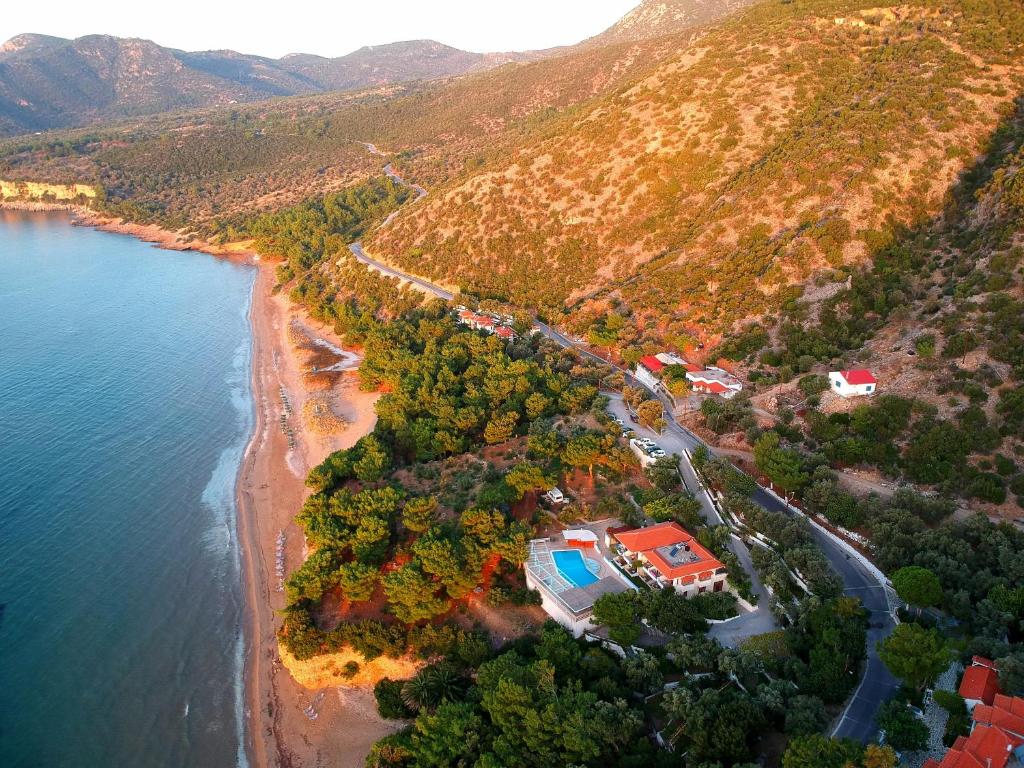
x=360 y=254
x=751 y=623
x=877 y=684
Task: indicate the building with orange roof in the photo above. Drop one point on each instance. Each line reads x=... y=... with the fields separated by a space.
x=714 y=381
x=1005 y=713
x=996 y=740
x=979 y=685
x=666 y=555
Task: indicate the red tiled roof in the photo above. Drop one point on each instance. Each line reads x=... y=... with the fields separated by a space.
x=649 y=540
x=660 y=535
x=998 y=729
x=505 y=332
x=990 y=746
x=858 y=376
x=981 y=661
x=714 y=387
x=980 y=683
x=651 y=363
x=1006 y=712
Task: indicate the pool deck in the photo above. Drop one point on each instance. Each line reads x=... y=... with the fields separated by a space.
x=577 y=599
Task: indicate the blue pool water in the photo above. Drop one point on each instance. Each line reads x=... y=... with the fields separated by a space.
x=573 y=567
x=124 y=408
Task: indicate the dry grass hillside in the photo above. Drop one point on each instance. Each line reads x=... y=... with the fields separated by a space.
x=205 y=168
x=790 y=138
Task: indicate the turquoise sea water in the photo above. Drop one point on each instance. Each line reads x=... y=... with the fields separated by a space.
x=125 y=406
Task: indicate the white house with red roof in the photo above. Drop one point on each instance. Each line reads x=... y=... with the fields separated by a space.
x=665 y=554
x=980 y=683
x=856 y=382
x=486 y=322
x=647 y=371
x=714 y=381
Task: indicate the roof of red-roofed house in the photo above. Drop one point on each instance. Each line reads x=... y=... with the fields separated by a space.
x=1006 y=713
x=858 y=376
x=990 y=746
x=981 y=661
x=659 y=535
x=980 y=683
x=651 y=363
x=659 y=543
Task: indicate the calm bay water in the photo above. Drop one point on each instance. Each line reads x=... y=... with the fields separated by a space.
x=125 y=405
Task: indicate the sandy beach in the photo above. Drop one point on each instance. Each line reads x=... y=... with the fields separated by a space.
x=288 y=724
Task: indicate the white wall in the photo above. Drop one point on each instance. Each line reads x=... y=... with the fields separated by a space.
x=557 y=611
x=646 y=377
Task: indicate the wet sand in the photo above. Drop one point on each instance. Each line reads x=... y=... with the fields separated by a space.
x=271 y=490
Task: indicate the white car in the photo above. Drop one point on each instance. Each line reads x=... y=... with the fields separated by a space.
x=657 y=453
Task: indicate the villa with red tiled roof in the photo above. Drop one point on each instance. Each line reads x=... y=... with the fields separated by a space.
x=487 y=322
x=665 y=554
x=996 y=740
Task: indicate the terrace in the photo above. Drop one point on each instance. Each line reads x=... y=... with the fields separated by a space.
x=571 y=577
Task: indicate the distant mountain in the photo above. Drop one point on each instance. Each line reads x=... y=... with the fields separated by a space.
x=49 y=82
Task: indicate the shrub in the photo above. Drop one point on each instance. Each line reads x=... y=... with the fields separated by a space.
x=390 y=705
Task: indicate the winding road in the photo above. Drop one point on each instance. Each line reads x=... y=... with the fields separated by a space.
x=877 y=685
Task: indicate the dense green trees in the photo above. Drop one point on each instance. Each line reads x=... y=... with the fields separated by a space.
x=816 y=751
x=621 y=614
x=530 y=707
x=917 y=586
x=783 y=466
x=440 y=381
x=915 y=655
x=902 y=729
x=308 y=232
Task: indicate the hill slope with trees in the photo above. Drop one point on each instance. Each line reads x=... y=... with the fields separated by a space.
x=791 y=137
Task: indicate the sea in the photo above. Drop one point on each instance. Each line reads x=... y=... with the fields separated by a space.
x=125 y=407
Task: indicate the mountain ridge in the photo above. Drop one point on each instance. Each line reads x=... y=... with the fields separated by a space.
x=49 y=82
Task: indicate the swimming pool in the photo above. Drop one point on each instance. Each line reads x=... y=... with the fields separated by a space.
x=574 y=568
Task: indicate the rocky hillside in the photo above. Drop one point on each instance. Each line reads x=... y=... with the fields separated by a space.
x=210 y=167
x=662 y=17
x=49 y=82
x=793 y=137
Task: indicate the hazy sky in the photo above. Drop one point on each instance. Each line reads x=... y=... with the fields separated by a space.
x=326 y=28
